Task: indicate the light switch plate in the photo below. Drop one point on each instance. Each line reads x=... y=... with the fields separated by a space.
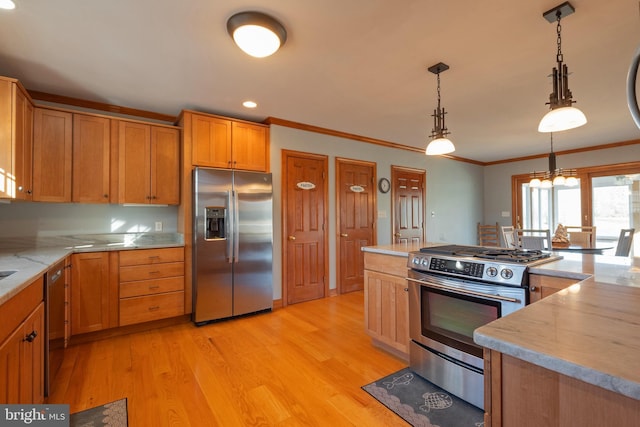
x=158 y=225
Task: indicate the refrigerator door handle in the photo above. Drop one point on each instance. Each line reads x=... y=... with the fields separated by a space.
x=236 y=227
x=228 y=228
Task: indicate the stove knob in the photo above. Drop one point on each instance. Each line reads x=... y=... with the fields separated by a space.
x=416 y=261
x=425 y=261
x=492 y=272
x=506 y=273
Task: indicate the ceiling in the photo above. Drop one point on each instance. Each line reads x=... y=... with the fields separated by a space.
x=356 y=66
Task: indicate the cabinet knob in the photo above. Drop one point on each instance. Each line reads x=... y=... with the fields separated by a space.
x=31 y=337
x=406 y=289
x=29 y=191
x=20 y=188
x=533 y=289
x=106 y=196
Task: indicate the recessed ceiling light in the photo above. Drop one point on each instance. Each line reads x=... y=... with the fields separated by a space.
x=249 y=104
x=7 y=4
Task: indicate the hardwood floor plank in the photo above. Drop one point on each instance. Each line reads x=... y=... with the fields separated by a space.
x=302 y=365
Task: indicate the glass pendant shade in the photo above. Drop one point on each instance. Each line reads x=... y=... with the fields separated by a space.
x=546 y=183
x=559 y=180
x=7 y=4
x=562 y=118
x=257 y=34
x=440 y=146
x=571 y=181
x=534 y=183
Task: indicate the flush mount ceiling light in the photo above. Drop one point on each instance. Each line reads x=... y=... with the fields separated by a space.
x=440 y=144
x=257 y=34
x=7 y=4
x=563 y=115
x=554 y=176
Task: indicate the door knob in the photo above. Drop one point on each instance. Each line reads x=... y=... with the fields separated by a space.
x=397 y=234
x=292 y=237
x=344 y=235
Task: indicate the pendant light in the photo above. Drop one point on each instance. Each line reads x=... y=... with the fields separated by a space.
x=7 y=4
x=440 y=144
x=257 y=34
x=554 y=176
x=563 y=115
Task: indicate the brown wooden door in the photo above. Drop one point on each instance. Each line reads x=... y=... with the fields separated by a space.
x=356 y=194
x=134 y=171
x=91 y=158
x=89 y=292
x=407 y=192
x=52 y=153
x=23 y=145
x=304 y=228
x=165 y=165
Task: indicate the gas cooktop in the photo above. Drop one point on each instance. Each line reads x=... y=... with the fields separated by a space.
x=497 y=254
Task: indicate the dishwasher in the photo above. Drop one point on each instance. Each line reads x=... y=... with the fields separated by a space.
x=56 y=321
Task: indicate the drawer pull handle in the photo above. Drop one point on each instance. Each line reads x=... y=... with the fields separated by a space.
x=154 y=287
x=154 y=308
x=31 y=337
x=154 y=272
x=154 y=257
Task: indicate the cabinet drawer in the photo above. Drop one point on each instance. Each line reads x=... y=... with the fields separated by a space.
x=154 y=271
x=153 y=307
x=388 y=264
x=151 y=256
x=150 y=287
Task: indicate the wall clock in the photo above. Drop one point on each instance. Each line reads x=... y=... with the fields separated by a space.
x=384 y=185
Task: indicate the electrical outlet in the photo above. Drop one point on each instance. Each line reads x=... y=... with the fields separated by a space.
x=158 y=225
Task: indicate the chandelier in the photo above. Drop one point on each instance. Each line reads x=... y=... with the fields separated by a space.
x=440 y=144
x=553 y=176
x=563 y=115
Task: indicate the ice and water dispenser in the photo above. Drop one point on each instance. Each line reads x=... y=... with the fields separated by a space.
x=215 y=223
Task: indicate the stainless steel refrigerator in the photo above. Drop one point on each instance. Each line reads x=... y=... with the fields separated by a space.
x=233 y=243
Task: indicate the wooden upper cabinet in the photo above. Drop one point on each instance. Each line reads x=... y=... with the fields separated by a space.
x=149 y=164
x=249 y=148
x=52 y=154
x=211 y=141
x=91 y=159
x=222 y=143
x=16 y=140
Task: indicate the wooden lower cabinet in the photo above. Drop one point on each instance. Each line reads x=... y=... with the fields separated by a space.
x=541 y=286
x=521 y=394
x=22 y=341
x=151 y=284
x=94 y=292
x=386 y=300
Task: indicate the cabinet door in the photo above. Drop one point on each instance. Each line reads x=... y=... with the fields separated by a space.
x=32 y=364
x=91 y=163
x=211 y=141
x=89 y=292
x=249 y=147
x=542 y=286
x=387 y=310
x=52 y=152
x=134 y=169
x=23 y=126
x=165 y=166
x=10 y=362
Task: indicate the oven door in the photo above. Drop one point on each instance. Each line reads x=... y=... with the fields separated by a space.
x=443 y=313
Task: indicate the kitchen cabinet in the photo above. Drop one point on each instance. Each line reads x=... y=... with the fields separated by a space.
x=52 y=155
x=149 y=164
x=151 y=284
x=225 y=143
x=16 y=141
x=22 y=346
x=94 y=292
x=521 y=394
x=91 y=159
x=541 y=286
x=386 y=302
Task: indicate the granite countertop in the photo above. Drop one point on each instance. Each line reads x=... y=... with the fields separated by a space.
x=588 y=331
x=32 y=257
x=398 y=249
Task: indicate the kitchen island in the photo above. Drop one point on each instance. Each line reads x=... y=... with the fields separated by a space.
x=573 y=357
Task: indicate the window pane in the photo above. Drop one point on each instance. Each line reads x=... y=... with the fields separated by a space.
x=568 y=203
x=615 y=204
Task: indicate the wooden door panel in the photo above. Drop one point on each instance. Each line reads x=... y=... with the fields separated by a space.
x=165 y=165
x=211 y=138
x=408 y=206
x=52 y=154
x=356 y=192
x=91 y=158
x=304 y=232
x=134 y=163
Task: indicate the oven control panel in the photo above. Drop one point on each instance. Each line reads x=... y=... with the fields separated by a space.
x=489 y=271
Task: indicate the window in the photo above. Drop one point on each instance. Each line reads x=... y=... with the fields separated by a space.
x=607 y=197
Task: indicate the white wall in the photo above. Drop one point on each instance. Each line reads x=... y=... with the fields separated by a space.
x=497 y=178
x=454 y=190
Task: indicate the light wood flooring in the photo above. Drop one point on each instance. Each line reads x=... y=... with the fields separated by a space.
x=302 y=365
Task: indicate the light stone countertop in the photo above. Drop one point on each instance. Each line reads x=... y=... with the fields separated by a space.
x=32 y=257
x=398 y=249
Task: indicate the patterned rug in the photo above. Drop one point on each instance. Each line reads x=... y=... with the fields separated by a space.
x=421 y=403
x=112 y=414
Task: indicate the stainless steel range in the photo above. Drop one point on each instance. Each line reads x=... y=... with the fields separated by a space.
x=453 y=290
